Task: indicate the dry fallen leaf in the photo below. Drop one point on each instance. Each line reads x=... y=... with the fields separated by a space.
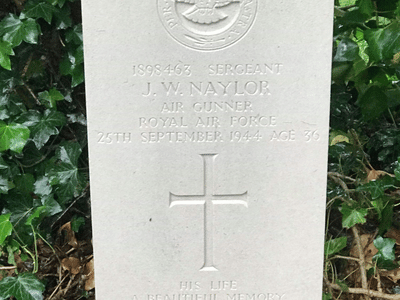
x=375 y=174
x=70 y=235
x=367 y=243
x=71 y=264
x=89 y=272
x=393 y=275
x=394 y=233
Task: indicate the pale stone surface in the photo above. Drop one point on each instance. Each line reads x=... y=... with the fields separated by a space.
x=208 y=133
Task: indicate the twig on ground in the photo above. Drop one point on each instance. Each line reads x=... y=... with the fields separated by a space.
x=347 y=257
x=363 y=271
x=342 y=176
x=32 y=93
x=340 y=182
x=8 y=268
x=57 y=287
x=366 y=292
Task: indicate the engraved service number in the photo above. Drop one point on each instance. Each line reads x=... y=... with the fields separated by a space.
x=159 y=70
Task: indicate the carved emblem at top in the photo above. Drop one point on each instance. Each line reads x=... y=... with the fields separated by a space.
x=206 y=11
x=207 y=24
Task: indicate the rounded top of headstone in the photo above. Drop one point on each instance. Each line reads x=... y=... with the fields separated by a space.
x=207 y=24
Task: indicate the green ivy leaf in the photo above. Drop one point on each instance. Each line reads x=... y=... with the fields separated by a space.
x=34 y=218
x=326 y=296
x=352 y=216
x=64 y=174
x=42 y=187
x=20 y=206
x=76 y=223
x=63 y=19
x=74 y=35
x=5 y=51
x=397 y=169
x=49 y=98
x=60 y=3
x=377 y=187
x=52 y=206
x=24 y=183
x=72 y=64
x=373 y=103
x=383 y=43
x=4 y=184
x=344 y=287
x=386 y=252
x=13 y=136
x=40 y=9
x=397 y=11
x=5 y=227
x=77 y=76
x=23 y=287
x=14 y=30
x=347 y=50
x=385 y=247
x=42 y=126
x=366 y=7
x=335 y=245
x=12 y=247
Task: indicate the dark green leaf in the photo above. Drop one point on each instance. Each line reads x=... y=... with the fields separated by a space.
x=397 y=169
x=42 y=187
x=62 y=17
x=5 y=51
x=23 y=287
x=383 y=43
x=72 y=64
x=377 y=187
x=335 y=245
x=24 y=183
x=3 y=164
x=352 y=216
x=373 y=103
x=397 y=11
x=342 y=285
x=76 y=223
x=15 y=30
x=12 y=247
x=60 y=3
x=69 y=153
x=386 y=251
x=20 y=206
x=64 y=174
x=74 y=35
x=42 y=127
x=387 y=218
x=13 y=136
x=77 y=76
x=37 y=215
x=4 y=184
x=374 y=187
x=326 y=296
x=77 y=118
x=5 y=227
x=49 y=98
x=52 y=206
x=40 y=9
x=347 y=50
x=366 y=7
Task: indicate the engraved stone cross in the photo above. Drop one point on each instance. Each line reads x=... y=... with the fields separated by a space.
x=208 y=199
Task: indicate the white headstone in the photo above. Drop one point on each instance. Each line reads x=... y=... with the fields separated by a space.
x=208 y=135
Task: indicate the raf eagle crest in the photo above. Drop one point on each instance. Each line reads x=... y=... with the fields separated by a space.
x=206 y=11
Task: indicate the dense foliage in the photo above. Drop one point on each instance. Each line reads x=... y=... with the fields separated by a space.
x=43 y=173
x=43 y=159
x=364 y=164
